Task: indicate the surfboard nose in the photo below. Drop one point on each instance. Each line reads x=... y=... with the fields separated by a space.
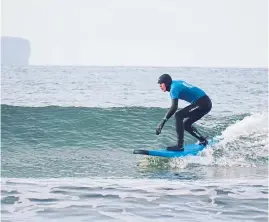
x=143 y=152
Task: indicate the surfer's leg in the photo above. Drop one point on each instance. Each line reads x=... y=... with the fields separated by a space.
x=193 y=130
x=192 y=112
x=179 y=128
x=180 y=115
x=203 y=106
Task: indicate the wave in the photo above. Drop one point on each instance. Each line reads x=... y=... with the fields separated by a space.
x=243 y=143
x=78 y=124
x=242 y=138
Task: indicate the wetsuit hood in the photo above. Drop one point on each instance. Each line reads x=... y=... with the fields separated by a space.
x=167 y=80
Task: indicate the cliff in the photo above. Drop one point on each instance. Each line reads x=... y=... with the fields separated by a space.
x=15 y=51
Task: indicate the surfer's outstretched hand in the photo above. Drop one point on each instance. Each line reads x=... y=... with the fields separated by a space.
x=160 y=126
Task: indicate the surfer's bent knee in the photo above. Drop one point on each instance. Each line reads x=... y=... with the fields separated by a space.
x=179 y=115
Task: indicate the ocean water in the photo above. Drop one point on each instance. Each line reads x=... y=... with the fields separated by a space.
x=68 y=133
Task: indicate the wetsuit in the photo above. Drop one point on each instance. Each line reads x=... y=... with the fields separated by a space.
x=200 y=105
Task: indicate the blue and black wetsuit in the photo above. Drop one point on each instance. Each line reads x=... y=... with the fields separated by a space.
x=200 y=105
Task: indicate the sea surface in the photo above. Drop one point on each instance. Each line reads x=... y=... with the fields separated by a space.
x=68 y=133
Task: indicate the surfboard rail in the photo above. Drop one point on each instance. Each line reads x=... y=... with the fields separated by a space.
x=189 y=150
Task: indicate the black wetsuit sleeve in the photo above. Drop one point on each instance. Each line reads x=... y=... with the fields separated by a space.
x=172 y=109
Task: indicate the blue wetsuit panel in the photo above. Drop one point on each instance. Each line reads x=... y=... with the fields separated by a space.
x=185 y=91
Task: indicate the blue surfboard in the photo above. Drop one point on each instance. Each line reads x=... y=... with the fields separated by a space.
x=189 y=150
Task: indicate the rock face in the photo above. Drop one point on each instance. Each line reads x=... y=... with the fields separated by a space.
x=15 y=51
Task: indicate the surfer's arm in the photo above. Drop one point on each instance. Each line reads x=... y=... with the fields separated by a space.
x=172 y=109
x=170 y=113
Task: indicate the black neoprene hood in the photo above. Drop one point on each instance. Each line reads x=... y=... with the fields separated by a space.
x=166 y=79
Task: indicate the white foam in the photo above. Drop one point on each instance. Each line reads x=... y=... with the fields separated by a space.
x=240 y=144
x=254 y=125
x=245 y=142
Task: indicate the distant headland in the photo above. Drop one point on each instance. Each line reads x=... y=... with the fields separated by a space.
x=15 y=51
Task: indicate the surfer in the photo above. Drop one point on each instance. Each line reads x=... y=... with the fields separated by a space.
x=200 y=105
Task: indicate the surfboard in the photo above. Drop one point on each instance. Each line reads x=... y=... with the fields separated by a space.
x=189 y=150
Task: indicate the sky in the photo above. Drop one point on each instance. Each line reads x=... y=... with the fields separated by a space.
x=190 y=33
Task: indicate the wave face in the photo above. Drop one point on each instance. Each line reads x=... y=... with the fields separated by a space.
x=59 y=136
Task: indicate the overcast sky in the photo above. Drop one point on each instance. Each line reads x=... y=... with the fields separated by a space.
x=210 y=33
